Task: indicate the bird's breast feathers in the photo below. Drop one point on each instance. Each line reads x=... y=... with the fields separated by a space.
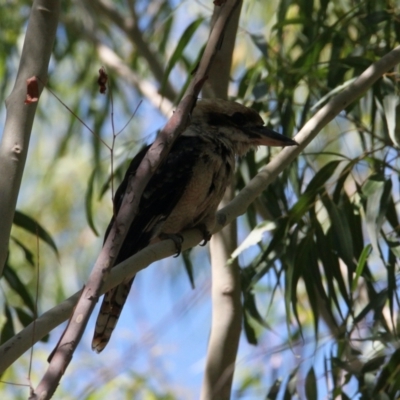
x=203 y=193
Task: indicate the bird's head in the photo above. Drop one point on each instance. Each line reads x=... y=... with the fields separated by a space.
x=233 y=122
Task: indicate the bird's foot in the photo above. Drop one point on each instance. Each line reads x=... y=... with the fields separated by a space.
x=206 y=234
x=176 y=238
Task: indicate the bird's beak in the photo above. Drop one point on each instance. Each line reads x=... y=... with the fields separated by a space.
x=267 y=137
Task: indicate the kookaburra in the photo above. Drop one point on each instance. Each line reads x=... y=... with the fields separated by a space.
x=187 y=188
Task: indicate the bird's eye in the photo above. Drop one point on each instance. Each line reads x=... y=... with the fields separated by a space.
x=238 y=118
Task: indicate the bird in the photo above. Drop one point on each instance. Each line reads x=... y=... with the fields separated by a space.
x=186 y=189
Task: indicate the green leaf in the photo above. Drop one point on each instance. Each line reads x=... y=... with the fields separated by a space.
x=188 y=267
x=291 y=278
x=249 y=305
x=29 y=256
x=375 y=18
x=389 y=375
x=331 y=266
x=353 y=214
x=391 y=109
x=306 y=265
x=8 y=329
x=340 y=231
x=279 y=235
x=316 y=185
x=360 y=266
x=302 y=206
x=167 y=26
x=377 y=301
x=249 y=330
x=261 y=44
x=377 y=191
x=89 y=202
x=290 y=389
x=393 y=256
x=254 y=237
x=32 y=226
x=311 y=385
x=177 y=54
x=373 y=364
x=322 y=176
x=15 y=283
x=336 y=71
x=274 y=390
x=391 y=213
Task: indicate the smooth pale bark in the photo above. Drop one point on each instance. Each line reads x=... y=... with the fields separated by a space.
x=36 y=52
x=226 y=305
x=226 y=320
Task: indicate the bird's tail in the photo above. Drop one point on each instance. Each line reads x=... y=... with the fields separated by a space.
x=110 y=311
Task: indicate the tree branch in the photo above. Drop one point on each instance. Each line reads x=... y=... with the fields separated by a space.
x=226 y=304
x=220 y=73
x=35 y=58
x=226 y=321
x=64 y=350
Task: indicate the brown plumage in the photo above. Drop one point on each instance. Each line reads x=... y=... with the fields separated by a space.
x=186 y=189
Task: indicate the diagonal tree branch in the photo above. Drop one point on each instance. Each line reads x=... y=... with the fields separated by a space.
x=16 y=346
x=35 y=58
x=64 y=350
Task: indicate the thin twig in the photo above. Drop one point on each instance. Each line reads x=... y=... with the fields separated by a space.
x=35 y=311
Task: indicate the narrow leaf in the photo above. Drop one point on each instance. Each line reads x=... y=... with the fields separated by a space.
x=261 y=44
x=8 y=329
x=29 y=256
x=177 y=54
x=390 y=373
x=341 y=232
x=15 y=283
x=274 y=390
x=32 y=226
x=311 y=385
x=360 y=265
x=376 y=190
x=249 y=330
x=89 y=202
x=188 y=267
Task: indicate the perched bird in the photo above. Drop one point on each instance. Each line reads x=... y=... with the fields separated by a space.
x=187 y=187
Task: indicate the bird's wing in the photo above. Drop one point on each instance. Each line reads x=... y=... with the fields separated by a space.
x=159 y=198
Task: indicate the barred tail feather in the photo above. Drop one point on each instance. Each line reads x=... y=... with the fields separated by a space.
x=110 y=311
